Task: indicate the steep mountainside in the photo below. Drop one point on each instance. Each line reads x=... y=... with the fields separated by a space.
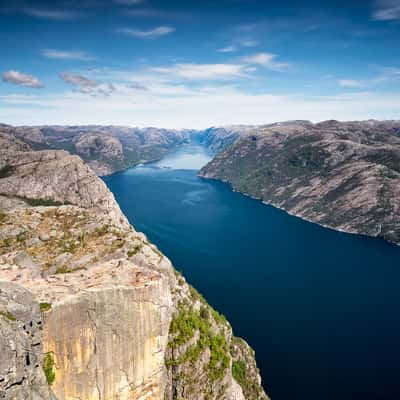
x=117 y=321
x=218 y=138
x=344 y=175
x=105 y=148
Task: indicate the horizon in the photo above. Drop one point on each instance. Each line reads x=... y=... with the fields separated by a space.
x=174 y=64
x=199 y=129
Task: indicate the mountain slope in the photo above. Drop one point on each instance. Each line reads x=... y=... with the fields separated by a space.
x=105 y=149
x=342 y=175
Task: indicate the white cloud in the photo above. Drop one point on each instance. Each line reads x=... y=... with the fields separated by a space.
x=78 y=80
x=202 y=71
x=227 y=49
x=147 y=34
x=248 y=42
x=266 y=60
x=386 y=10
x=351 y=83
x=18 y=78
x=66 y=55
x=57 y=15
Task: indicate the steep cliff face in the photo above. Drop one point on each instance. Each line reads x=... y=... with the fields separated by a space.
x=118 y=322
x=21 y=353
x=342 y=175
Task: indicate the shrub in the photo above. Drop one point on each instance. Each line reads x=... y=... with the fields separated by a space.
x=48 y=368
x=45 y=306
x=8 y=315
x=6 y=171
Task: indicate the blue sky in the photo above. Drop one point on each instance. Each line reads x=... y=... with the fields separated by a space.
x=198 y=63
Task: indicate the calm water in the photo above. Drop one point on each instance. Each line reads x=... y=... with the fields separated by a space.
x=320 y=308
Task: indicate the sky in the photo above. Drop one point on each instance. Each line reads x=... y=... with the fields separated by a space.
x=195 y=64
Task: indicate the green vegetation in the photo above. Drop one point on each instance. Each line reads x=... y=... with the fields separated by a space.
x=45 y=306
x=135 y=249
x=239 y=372
x=43 y=202
x=6 y=171
x=8 y=315
x=48 y=367
x=102 y=230
x=183 y=327
x=3 y=217
x=244 y=369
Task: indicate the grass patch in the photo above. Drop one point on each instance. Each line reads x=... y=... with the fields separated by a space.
x=6 y=171
x=45 y=306
x=135 y=249
x=8 y=315
x=48 y=368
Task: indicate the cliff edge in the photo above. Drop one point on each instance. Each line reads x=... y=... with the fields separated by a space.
x=116 y=320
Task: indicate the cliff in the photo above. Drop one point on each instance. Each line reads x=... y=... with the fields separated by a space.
x=118 y=322
x=21 y=373
x=343 y=175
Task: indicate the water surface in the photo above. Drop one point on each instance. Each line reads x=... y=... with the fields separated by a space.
x=320 y=308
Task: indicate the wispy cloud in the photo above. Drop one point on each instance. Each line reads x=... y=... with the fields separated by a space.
x=154 y=13
x=386 y=74
x=57 y=15
x=66 y=55
x=128 y=2
x=88 y=86
x=350 y=83
x=228 y=49
x=18 y=78
x=147 y=34
x=386 y=10
x=78 y=80
x=202 y=71
x=266 y=60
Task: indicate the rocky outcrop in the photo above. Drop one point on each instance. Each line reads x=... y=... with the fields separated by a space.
x=54 y=176
x=106 y=149
x=118 y=321
x=21 y=374
x=342 y=175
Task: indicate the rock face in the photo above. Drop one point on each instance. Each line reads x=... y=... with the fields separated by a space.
x=342 y=175
x=54 y=176
x=21 y=373
x=217 y=139
x=119 y=323
x=105 y=148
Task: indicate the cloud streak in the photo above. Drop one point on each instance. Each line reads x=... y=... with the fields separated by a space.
x=21 y=79
x=66 y=55
x=78 y=80
x=56 y=15
x=265 y=60
x=147 y=34
x=386 y=10
x=350 y=83
x=202 y=71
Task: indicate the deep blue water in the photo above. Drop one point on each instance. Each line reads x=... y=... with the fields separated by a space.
x=320 y=308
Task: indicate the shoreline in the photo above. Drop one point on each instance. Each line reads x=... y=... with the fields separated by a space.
x=346 y=231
